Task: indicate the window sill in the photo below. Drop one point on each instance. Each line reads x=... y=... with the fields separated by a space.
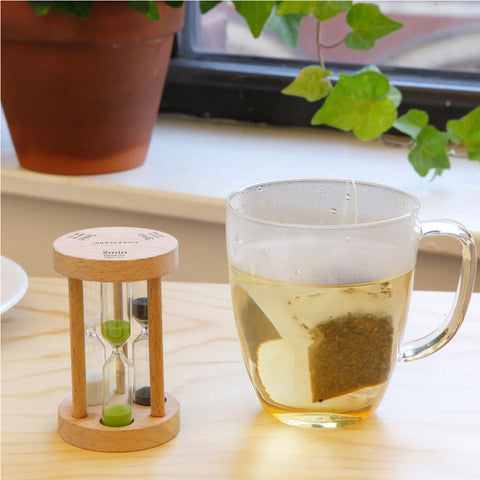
x=194 y=163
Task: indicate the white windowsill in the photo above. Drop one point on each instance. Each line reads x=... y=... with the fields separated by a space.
x=193 y=164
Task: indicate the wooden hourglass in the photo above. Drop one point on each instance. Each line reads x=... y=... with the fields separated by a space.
x=115 y=257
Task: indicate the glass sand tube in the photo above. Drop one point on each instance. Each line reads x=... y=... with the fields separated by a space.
x=140 y=349
x=118 y=370
x=94 y=347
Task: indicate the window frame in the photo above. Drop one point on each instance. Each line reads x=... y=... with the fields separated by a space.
x=247 y=88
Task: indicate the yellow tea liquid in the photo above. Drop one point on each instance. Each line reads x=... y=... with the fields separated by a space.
x=319 y=355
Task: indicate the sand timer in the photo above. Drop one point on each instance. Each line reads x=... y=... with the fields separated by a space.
x=111 y=261
x=117 y=370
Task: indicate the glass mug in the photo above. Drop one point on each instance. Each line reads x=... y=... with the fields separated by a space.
x=321 y=273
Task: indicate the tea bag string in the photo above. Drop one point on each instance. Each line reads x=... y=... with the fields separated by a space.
x=355 y=200
x=346 y=199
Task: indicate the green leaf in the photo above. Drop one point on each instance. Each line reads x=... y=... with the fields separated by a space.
x=206 y=5
x=40 y=9
x=153 y=13
x=368 y=25
x=74 y=9
x=430 y=151
x=453 y=138
x=287 y=27
x=322 y=10
x=174 y=3
x=255 y=13
x=141 y=7
x=473 y=155
x=394 y=94
x=370 y=68
x=412 y=122
x=310 y=84
x=466 y=131
x=147 y=8
x=359 y=103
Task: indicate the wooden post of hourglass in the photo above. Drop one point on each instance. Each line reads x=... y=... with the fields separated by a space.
x=77 y=348
x=117 y=255
x=155 y=340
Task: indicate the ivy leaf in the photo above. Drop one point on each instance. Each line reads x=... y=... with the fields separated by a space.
x=473 y=155
x=255 y=13
x=412 y=122
x=453 y=137
x=322 y=10
x=359 y=103
x=147 y=8
x=394 y=94
x=368 y=25
x=75 y=9
x=206 y=5
x=40 y=9
x=466 y=131
x=287 y=27
x=174 y=3
x=310 y=84
x=430 y=151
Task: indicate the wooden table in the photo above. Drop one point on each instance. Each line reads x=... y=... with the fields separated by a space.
x=427 y=427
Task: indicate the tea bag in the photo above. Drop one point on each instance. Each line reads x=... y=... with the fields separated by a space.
x=253 y=321
x=255 y=329
x=328 y=341
x=282 y=358
x=348 y=354
x=284 y=373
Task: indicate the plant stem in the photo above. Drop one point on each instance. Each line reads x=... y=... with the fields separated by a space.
x=333 y=45
x=389 y=141
x=396 y=143
x=319 y=45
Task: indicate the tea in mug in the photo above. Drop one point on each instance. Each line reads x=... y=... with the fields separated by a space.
x=319 y=351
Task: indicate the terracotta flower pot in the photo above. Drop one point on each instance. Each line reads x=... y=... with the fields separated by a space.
x=81 y=95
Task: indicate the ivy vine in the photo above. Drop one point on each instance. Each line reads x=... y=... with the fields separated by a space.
x=365 y=103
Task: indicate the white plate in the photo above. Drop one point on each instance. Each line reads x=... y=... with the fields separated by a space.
x=14 y=284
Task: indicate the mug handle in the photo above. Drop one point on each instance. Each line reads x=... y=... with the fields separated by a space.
x=432 y=342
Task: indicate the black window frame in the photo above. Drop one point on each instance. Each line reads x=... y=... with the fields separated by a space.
x=247 y=88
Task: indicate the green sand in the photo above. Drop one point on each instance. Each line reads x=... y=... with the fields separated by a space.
x=117 y=416
x=116 y=331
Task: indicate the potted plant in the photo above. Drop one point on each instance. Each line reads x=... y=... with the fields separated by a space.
x=82 y=81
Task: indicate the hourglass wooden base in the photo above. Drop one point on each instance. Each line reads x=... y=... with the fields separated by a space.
x=145 y=431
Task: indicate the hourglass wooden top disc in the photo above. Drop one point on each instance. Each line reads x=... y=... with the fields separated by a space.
x=115 y=254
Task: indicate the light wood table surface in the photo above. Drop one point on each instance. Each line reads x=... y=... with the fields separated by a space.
x=427 y=427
